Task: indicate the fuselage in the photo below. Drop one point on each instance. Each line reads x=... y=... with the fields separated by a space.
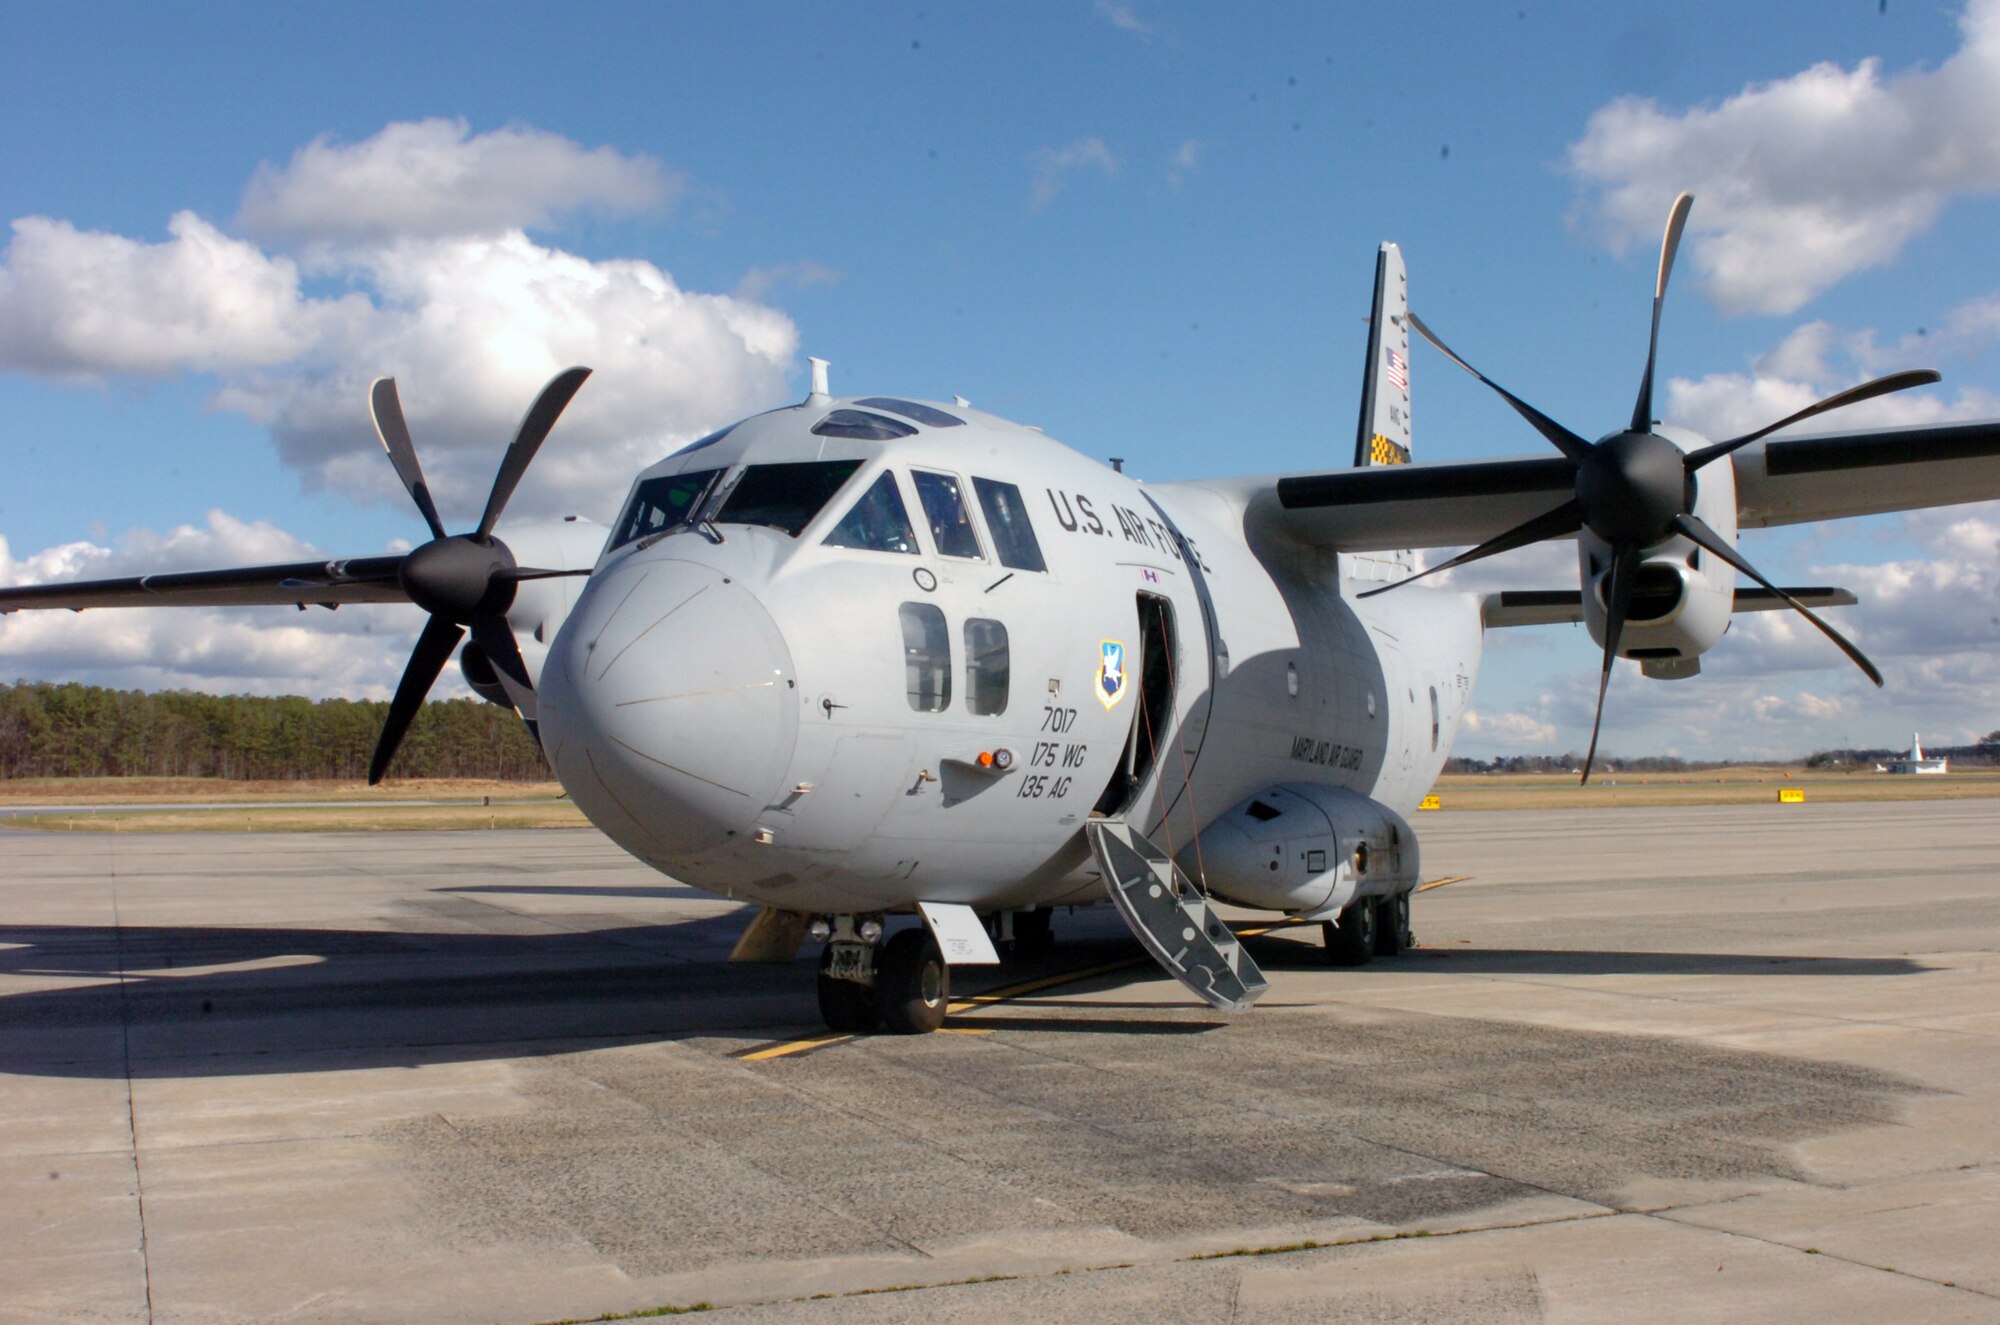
x=853 y=654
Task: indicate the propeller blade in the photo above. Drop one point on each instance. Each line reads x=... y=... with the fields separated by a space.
x=495 y=638
x=1617 y=603
x=1881 y=386
x=386 y=408
x=528 y=438
x=541 y=573
x=433 y=651
x=1642 y=411
x=1563 y=520
x=1571 y=445
x=1698 y=530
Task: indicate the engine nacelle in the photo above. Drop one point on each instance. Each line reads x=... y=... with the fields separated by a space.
x=1684 y=596
x=1305 y=849
x=539 y=606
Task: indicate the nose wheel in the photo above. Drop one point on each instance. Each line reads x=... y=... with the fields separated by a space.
x=902 y=986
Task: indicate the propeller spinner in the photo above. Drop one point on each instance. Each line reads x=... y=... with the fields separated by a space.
x=462 y=580
x=1635 y=489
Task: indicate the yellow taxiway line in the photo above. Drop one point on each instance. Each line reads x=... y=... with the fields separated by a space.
x=1008 y=993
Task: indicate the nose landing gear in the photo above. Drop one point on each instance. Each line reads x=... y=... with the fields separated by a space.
x=903 y=986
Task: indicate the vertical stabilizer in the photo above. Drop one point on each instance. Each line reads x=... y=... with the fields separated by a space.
x=1384 y=435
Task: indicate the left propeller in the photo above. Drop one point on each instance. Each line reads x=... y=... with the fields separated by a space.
x=1635 y=489
x=463 y=580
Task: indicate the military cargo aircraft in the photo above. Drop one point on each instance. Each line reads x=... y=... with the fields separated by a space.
x=861 y=658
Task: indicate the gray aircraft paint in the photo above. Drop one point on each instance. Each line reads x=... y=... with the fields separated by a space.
x=843 y=798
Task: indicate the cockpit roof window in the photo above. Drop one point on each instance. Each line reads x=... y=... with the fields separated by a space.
x=784 y=497
x=860 y=424
x=910 y=409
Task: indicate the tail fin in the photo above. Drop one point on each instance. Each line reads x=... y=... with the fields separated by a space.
x=1384 y=435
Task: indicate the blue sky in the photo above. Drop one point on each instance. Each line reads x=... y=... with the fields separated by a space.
x=1147 y=227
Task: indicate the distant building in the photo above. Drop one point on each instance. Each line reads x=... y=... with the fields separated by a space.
x=1914 y=762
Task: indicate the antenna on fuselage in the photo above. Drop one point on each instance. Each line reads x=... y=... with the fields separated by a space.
x=819 y=394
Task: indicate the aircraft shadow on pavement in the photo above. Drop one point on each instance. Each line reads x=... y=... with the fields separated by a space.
x=220 y=1001
x=202 y=1001
x=226 y=1001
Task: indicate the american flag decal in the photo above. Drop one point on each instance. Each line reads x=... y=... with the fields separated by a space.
x=1398 y=370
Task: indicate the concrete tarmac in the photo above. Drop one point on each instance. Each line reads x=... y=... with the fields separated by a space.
x=1731 y=1063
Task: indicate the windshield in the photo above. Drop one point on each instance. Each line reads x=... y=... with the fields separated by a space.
x=662 y=504
x=784 y=497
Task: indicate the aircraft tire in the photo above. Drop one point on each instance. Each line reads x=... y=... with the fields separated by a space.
x=845 y=1007
x=912 y=983
x=1392 y=925
x=1352 y=941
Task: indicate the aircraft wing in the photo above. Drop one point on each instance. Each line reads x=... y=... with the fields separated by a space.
x=1554 y=607
x=1778 y=481
x=328 y=583
x=1824 y=477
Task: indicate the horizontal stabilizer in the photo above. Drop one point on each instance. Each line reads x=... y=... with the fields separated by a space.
x=1554 y=607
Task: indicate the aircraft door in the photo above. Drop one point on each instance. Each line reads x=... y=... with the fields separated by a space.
x=1155 y=672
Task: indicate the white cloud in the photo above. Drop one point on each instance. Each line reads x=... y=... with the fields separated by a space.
x=357 y=652
x=470 y=319
x=1055 y=165
x=801 y=275
x=472 y=328
x=1184 y=162
x=1816 y=360
x=1511 y=731
x=1123 y=17
x=437 y=178
x=84 y=303
x=1806 y=180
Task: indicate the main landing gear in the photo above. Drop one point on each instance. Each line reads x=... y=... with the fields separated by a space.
x=902 y=986
x=1370 y=927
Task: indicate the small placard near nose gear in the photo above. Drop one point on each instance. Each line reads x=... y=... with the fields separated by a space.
x=960 y=935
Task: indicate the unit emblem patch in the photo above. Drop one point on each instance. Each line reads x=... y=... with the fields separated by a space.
x=1110 y=673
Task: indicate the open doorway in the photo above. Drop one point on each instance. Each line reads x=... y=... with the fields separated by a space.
x=1153 y=711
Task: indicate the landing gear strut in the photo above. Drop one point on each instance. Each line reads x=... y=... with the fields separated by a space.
x=902 y=986
x=846 y=1004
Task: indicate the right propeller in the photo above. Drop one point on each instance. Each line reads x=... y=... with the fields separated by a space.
x=462 y=580
x=1635 y=489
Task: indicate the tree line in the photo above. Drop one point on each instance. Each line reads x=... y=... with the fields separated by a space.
x=69 y=730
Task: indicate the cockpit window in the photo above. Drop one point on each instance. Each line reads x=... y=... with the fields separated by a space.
x=859 y=423
x=945 y=509
x=1007 y=518
x=663 y=504
x=784 y=497
x=879 y=522
x=910 y=409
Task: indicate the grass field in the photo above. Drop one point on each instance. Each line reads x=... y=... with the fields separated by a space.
x=1743 y=785
x=180 y=805
x=284 y=807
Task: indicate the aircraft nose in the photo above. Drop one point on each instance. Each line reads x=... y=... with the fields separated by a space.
x=668 y=706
